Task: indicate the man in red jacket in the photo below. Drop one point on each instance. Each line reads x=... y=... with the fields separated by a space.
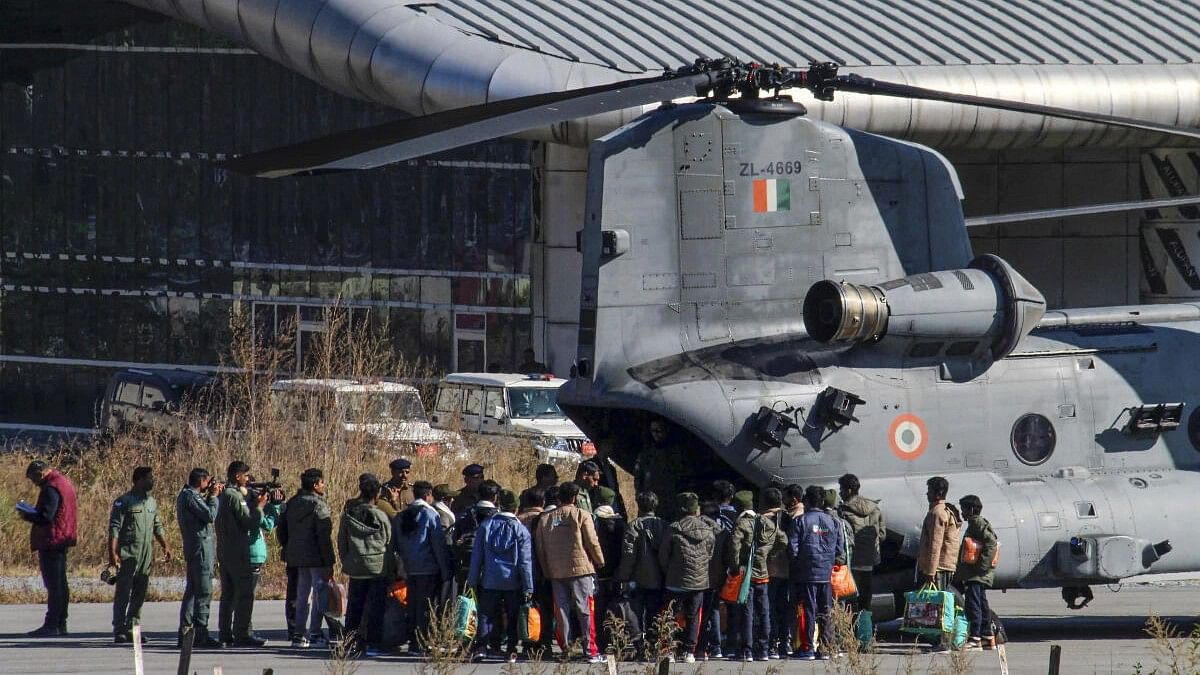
x=53 y=532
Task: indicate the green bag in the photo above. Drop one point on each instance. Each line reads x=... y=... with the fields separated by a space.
x=467 y=617
x=864 y=628
x=744 y=589
x=929 y=612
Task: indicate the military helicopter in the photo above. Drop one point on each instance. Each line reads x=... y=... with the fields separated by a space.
x=797 y=300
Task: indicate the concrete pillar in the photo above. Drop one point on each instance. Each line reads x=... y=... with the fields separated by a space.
x=1170 y=238
x=560 y=177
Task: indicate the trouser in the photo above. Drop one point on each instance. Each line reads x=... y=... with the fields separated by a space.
x=132 y=581
x=574 y=600
x=783 y=617
x=689 y=604
x=197 y=596
x=289 y=601
x=367 y=601
x=647 y=604
x=237 y=604
x=423 y=591
x=490 y=618
x=311 y=581
x=53 y=564
x=755 y=621
x=979 y=614
x=862 y=579
x=817 y=599
x=712 y=639
x=606 y=593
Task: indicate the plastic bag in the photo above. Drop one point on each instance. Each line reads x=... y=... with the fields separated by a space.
x=399 y=592
x=466 y=618
x=338 y=597
x=733 y=587
x=843 y=582
x=928 y=612
x=972 y=548
x=529 y=623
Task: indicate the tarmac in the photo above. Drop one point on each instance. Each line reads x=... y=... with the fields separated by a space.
x=1105 y=637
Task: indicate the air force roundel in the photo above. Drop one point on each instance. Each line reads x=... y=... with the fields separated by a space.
x=908 y=437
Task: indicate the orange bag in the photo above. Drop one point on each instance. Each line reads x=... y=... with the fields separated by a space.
x=529 y=623
x=800 y=637
x=732 y=589
x=399 y=591
x=972 y=549
x=843 y=582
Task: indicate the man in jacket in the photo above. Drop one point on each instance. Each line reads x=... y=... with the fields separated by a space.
x=469 y=493
x=976 y=575
x=365 y=547
x=868 y=531
x=639 y=572
x=501 y=572
x=587 y=477
x=533 y=502
x=421 y=544
x=236 y=521
x=686 y=555
x=53 y=532
x=937 y=555
x=307 y=537
x=610 y=531
x=569 y=553
x=196 y=510
x=815 y=544
x=758 y=536
x=779 y=596
x=133 y=526
x=466 y=524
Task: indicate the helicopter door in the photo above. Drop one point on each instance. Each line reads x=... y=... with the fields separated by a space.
x=701 y=210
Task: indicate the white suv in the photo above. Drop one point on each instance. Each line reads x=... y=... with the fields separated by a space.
x=389 y=411
x=511 y=405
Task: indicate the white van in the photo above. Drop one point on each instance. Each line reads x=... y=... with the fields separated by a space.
x=389 y=411
x=511 y=405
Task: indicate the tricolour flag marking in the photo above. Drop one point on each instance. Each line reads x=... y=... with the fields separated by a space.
x=772 y=194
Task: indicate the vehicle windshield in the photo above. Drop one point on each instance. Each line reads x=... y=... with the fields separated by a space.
x=377 y=407
x=531 y=402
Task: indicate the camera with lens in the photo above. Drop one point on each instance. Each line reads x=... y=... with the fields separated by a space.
x=272 y=487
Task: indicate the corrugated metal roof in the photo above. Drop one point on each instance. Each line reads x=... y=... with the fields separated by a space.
x=640 y=35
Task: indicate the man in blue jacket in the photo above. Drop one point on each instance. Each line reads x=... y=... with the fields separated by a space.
x=501 y=572
x=815 y=545
x=421 y=543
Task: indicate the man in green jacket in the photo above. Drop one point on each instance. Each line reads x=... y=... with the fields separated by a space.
x=365 y=547
x=867 y=532
x=196 y=509
x=238 y=521
x=976 y=571
x=133 y=526
x=306 y=533
x=754 y=534
x=685 y=555
x=639 y=572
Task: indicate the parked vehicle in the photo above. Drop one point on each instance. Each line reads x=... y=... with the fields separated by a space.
x=388 y=411
x=511 y=406
x=150 y=399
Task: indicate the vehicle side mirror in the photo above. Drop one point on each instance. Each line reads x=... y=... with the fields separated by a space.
x=498 y=413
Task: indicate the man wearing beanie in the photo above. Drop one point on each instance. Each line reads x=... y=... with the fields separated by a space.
x=755 y=539
x=501 y=572
x=684 y=556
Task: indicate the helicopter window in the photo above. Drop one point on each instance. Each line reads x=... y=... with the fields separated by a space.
x=1085 y=509
x=1194 y=428
x=1033 y=438
x=923 y=350
x=962 y=348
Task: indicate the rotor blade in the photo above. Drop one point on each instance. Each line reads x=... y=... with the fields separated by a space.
x=375 y=146
x=1072 y=211
x=865 y=85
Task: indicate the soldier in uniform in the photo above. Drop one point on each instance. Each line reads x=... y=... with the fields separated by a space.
x=196 y=509
x=397 y=493
x=132 y=523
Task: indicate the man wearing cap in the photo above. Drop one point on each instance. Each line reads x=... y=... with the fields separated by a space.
x=396 y=493
x=685 y=556
x=442 y=496
x=53 y=532
x=469 y=494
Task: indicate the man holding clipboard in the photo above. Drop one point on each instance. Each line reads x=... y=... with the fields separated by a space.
x=53 y=532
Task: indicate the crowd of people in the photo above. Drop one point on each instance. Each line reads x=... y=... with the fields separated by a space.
x=410 y=549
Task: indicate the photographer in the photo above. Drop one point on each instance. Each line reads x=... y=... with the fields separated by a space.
x=196 y=509
x=238 y=525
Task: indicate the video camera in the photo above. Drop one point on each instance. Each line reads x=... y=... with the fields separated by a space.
x=272 y=487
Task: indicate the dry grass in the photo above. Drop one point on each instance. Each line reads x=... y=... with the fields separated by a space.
x=245 y=426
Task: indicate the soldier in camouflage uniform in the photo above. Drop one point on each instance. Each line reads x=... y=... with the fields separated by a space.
x=131 y=525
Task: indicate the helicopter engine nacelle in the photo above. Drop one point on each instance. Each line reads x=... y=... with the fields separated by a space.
x=983 y=310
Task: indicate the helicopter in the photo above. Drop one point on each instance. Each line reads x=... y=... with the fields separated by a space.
x=796 y=300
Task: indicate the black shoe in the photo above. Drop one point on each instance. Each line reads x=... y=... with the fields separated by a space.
x=208 y=642
x=252 y=641
x=44 y=631
x=122 y=638
x=226 y=640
